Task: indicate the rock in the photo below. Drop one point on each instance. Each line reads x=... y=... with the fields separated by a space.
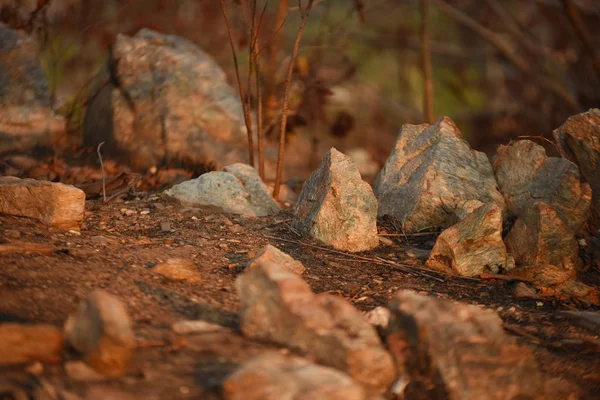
x=431 y=174
x=55 y=204
x=260 y=197
x=173 y=103
x=472 y=246
x=556 y=281
x=379 y=317
x=587 y=319
x=178 y=269
x=223 y=192
x=540 y=236
x=524 y=291
x=336 y=207
x=80 y=371
x=20 y=343
x=274 y=255
x=165 y=226
x=278 y=306
x=459 y=351
x=27 y=118
x=526 y=176
x=579 y=139
x=199 y=326
x=101 y=331
x=273 y=376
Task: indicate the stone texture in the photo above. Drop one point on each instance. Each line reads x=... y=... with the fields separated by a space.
x=526 y=176
x=274 y=255
x=558 y=282
x=26 y=116
x=20 y=343
x=178 y=269
x=278 y=306
x=458 y=351
x=472 y=246
x=431 y=174
x=101 y=331
x=273 y=376
x=336 y=207
x=224 y=192
x=174 y=103
x=539 y=236
x=55 y=204
x=260 y=197
x=579 y=139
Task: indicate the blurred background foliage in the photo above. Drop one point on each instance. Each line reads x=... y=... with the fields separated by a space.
x=501 y=68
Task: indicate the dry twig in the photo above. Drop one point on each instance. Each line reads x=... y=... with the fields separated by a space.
x=103 y=174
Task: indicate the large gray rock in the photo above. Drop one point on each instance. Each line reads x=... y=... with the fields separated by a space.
x=225 y=192
x=56 y=204
x=26 y=116
x=447 y=350
x=526 y=176
x=272 y=376
x=579 y=138
x=278 y=306
x=472 y=246
x=173 y=102
x=336 y=207
x=431 y=174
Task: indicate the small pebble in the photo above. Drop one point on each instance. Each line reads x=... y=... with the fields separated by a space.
x=144 y=212
x=165 y=226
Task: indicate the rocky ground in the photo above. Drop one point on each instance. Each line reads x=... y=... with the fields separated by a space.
x=121 y=241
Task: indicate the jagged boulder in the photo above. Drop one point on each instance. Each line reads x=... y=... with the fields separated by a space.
x=173 y=103
x=526 y=176
x=278 y=306
x=472 y=246
x=579 y=139
x=336 y=207
x=26 y=115
x=431 y=175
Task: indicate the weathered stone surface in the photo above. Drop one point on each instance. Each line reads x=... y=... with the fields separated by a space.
x=540 y=236
x=526 y=176
x=55 y=204
x=579 y=138
x=20 y=343
x=430 y=174
x=336 y=207
x=260 y=197
x=458 y=351
x=472 y=246
x=26 y=116
x=556 y=281
x=101 y=331
x=273 y=376
x=178 y=269
x=274 y=255
x=278 y=306
x=223 y=192
x=174 y=103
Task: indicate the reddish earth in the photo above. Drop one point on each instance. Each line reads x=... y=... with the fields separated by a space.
x=121 y=240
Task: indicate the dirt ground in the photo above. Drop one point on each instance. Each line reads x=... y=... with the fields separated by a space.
x=121 y=240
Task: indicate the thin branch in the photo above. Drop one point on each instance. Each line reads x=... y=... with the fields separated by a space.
x=426 y=60
x=245 y=109
x=299 y=6
x=103 y=174
x=509 y=53
x=288 y=83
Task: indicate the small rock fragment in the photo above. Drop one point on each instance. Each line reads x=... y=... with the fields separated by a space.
x=198 y=326
x=273 y=376
x=55 y=204
x=431 y=174
x=165 y=226
x=379 y=317
x=336 y=207
x=278 y=306
x=458 y=351
x=80 y=371
x=179 y=269
x=273 y=254
x=20 y=343
x=101 y=331
x=524 y=291
x=472 y=246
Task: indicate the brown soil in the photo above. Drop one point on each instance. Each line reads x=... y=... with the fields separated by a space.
x=46 y=288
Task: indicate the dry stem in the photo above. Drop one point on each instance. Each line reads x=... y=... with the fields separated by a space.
x=103 y=175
